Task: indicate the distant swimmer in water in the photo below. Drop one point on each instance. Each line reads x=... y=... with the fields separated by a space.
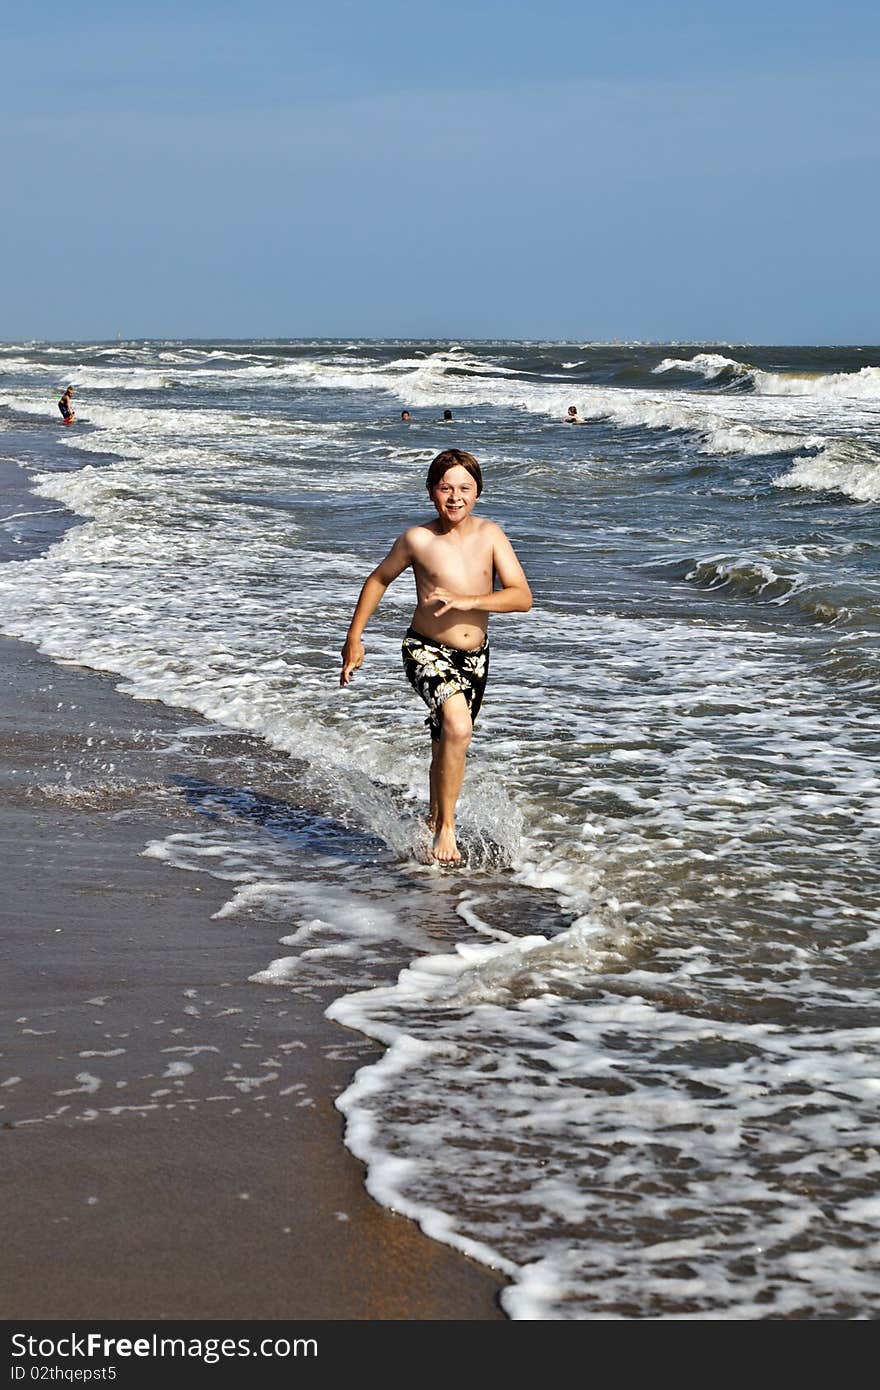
x=65 y=405
x=447 y=418
x=456 y=560
x=572 y=418
x=404 y=415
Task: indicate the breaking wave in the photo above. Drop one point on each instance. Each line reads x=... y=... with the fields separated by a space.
x=849 y=467
x=864 y=383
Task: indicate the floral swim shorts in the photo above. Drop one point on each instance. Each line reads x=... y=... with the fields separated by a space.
x=436 y=671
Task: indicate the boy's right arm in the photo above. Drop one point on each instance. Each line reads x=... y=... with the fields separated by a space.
x=396 y=561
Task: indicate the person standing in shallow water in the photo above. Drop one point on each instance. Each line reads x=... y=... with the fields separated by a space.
x=456 y=560
x=65 y=405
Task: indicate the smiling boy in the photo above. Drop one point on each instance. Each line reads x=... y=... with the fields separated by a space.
x=456 y=560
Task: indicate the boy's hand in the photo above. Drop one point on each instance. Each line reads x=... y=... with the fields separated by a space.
x=445 y=601
x=352 y=658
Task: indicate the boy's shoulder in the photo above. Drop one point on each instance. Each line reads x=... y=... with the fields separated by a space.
x=419 y=533
x=486 y=529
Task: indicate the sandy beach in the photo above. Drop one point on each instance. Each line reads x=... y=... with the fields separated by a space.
x=172 y=1150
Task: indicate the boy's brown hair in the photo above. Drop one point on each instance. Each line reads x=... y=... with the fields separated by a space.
x=448 y=459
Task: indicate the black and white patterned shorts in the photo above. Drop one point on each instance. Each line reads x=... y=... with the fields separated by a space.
x=436 y=671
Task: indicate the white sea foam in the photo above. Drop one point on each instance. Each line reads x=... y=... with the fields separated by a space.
x=849 y=468
x=864 y=384
x=619 y=1087
x=86 y=375
x=706 y=364
x=582 y=1096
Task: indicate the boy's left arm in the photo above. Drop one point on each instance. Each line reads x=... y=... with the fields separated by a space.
x=514 y=596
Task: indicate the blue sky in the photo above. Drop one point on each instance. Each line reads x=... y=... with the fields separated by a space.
x=558 y=170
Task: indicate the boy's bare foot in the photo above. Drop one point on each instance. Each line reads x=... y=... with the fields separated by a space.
x=446 y=851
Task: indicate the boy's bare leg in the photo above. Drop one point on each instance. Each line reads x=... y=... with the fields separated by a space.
x=433 y=817
x=447 y=775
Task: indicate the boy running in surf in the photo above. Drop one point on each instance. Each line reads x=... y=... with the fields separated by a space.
x=456 y=560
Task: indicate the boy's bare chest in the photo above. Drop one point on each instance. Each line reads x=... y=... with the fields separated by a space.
x=464 y=566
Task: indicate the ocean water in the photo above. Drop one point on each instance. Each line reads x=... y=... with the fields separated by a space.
x=632 y=1044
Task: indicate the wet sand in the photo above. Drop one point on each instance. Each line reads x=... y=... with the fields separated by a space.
x=171 y=1145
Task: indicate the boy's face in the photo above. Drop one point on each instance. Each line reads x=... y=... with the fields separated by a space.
x=455 y=495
